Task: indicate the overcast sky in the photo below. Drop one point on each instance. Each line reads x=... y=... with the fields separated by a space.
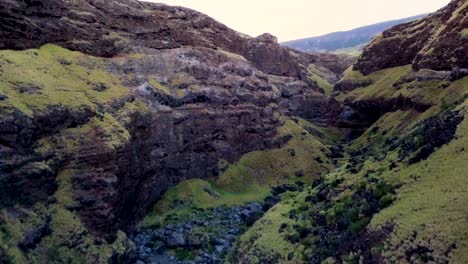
x=295 y=19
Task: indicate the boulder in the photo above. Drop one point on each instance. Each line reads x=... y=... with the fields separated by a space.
x=270 y=201
x=267 y=38
x=176 y=240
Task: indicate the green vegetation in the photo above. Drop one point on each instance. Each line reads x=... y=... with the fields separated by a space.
x=158 y=86
x=233 y=56
x=353 y=51
x=304 y=158
x=10 y=234
x=387 y=127
x=106 y=131
x=382 y=83
x=64 y=191
x=309 y=225
x=265 y=240
x=388 y=84
x=457 y=11
x=464 y=33
x=34 y=80
x=176 y=81
x=65 y=244
x=431 y=207
x=68 y=241
x=403 y=82
x=401 y=195
x=318 y=75
x=191 y=195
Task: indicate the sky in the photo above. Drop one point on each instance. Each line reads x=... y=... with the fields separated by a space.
x=295 y=19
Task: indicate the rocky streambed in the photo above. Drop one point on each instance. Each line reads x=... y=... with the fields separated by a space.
x=207 y=236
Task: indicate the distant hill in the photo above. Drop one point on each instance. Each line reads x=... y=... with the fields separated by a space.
x=345 y=40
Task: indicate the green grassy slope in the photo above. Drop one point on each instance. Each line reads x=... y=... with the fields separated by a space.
x=430 y=210
x=304 y=158
x=400 y=198
x=321 y=76
x=32 y=82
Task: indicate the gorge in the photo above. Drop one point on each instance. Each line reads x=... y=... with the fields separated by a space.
x=134 y=132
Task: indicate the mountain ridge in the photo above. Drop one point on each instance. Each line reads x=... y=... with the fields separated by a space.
x=424 y=47
x=346 y=39
x=134 y=132
x=131 y=103
x=395 y=196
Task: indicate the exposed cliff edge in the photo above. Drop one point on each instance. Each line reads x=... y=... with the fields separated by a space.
x=436 y=42
x=397 y=194
x=104 y=105
x=109 y=28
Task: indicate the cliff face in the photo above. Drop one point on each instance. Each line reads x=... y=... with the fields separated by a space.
x=105 y=105
x=436 y=42
x=397 y=196
x=138 y=98
x=108 y=28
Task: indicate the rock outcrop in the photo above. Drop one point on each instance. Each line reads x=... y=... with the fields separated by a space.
x=436 y=42
x=109 y=28
x=405 y=103
x=154 y=95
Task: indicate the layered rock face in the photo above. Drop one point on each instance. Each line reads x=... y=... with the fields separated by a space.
x=400 y=194
x=217 y=108
x=108 y=28
x=436 y=42
x=163 y=94
x=429 y=49
x=224 y=113
x=105 y=105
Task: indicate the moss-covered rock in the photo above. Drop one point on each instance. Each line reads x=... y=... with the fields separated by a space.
x=377 y=205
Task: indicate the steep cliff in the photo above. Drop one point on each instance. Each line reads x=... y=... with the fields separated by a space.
x=104 y=105
x=109 y=28
x=436 y=42
x=399 y=193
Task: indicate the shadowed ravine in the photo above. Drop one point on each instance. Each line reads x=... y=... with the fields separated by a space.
x=134 y=132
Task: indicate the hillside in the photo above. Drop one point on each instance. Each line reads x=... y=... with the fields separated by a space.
x=398 y=195
x=105 y=105
x=345 y=41
x=133 y=132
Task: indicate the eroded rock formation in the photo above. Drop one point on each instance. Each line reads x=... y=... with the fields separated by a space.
x=203 y=93
x=437 y=42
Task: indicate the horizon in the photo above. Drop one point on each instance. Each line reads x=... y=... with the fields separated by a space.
x=350 y=15
x=358 y=27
